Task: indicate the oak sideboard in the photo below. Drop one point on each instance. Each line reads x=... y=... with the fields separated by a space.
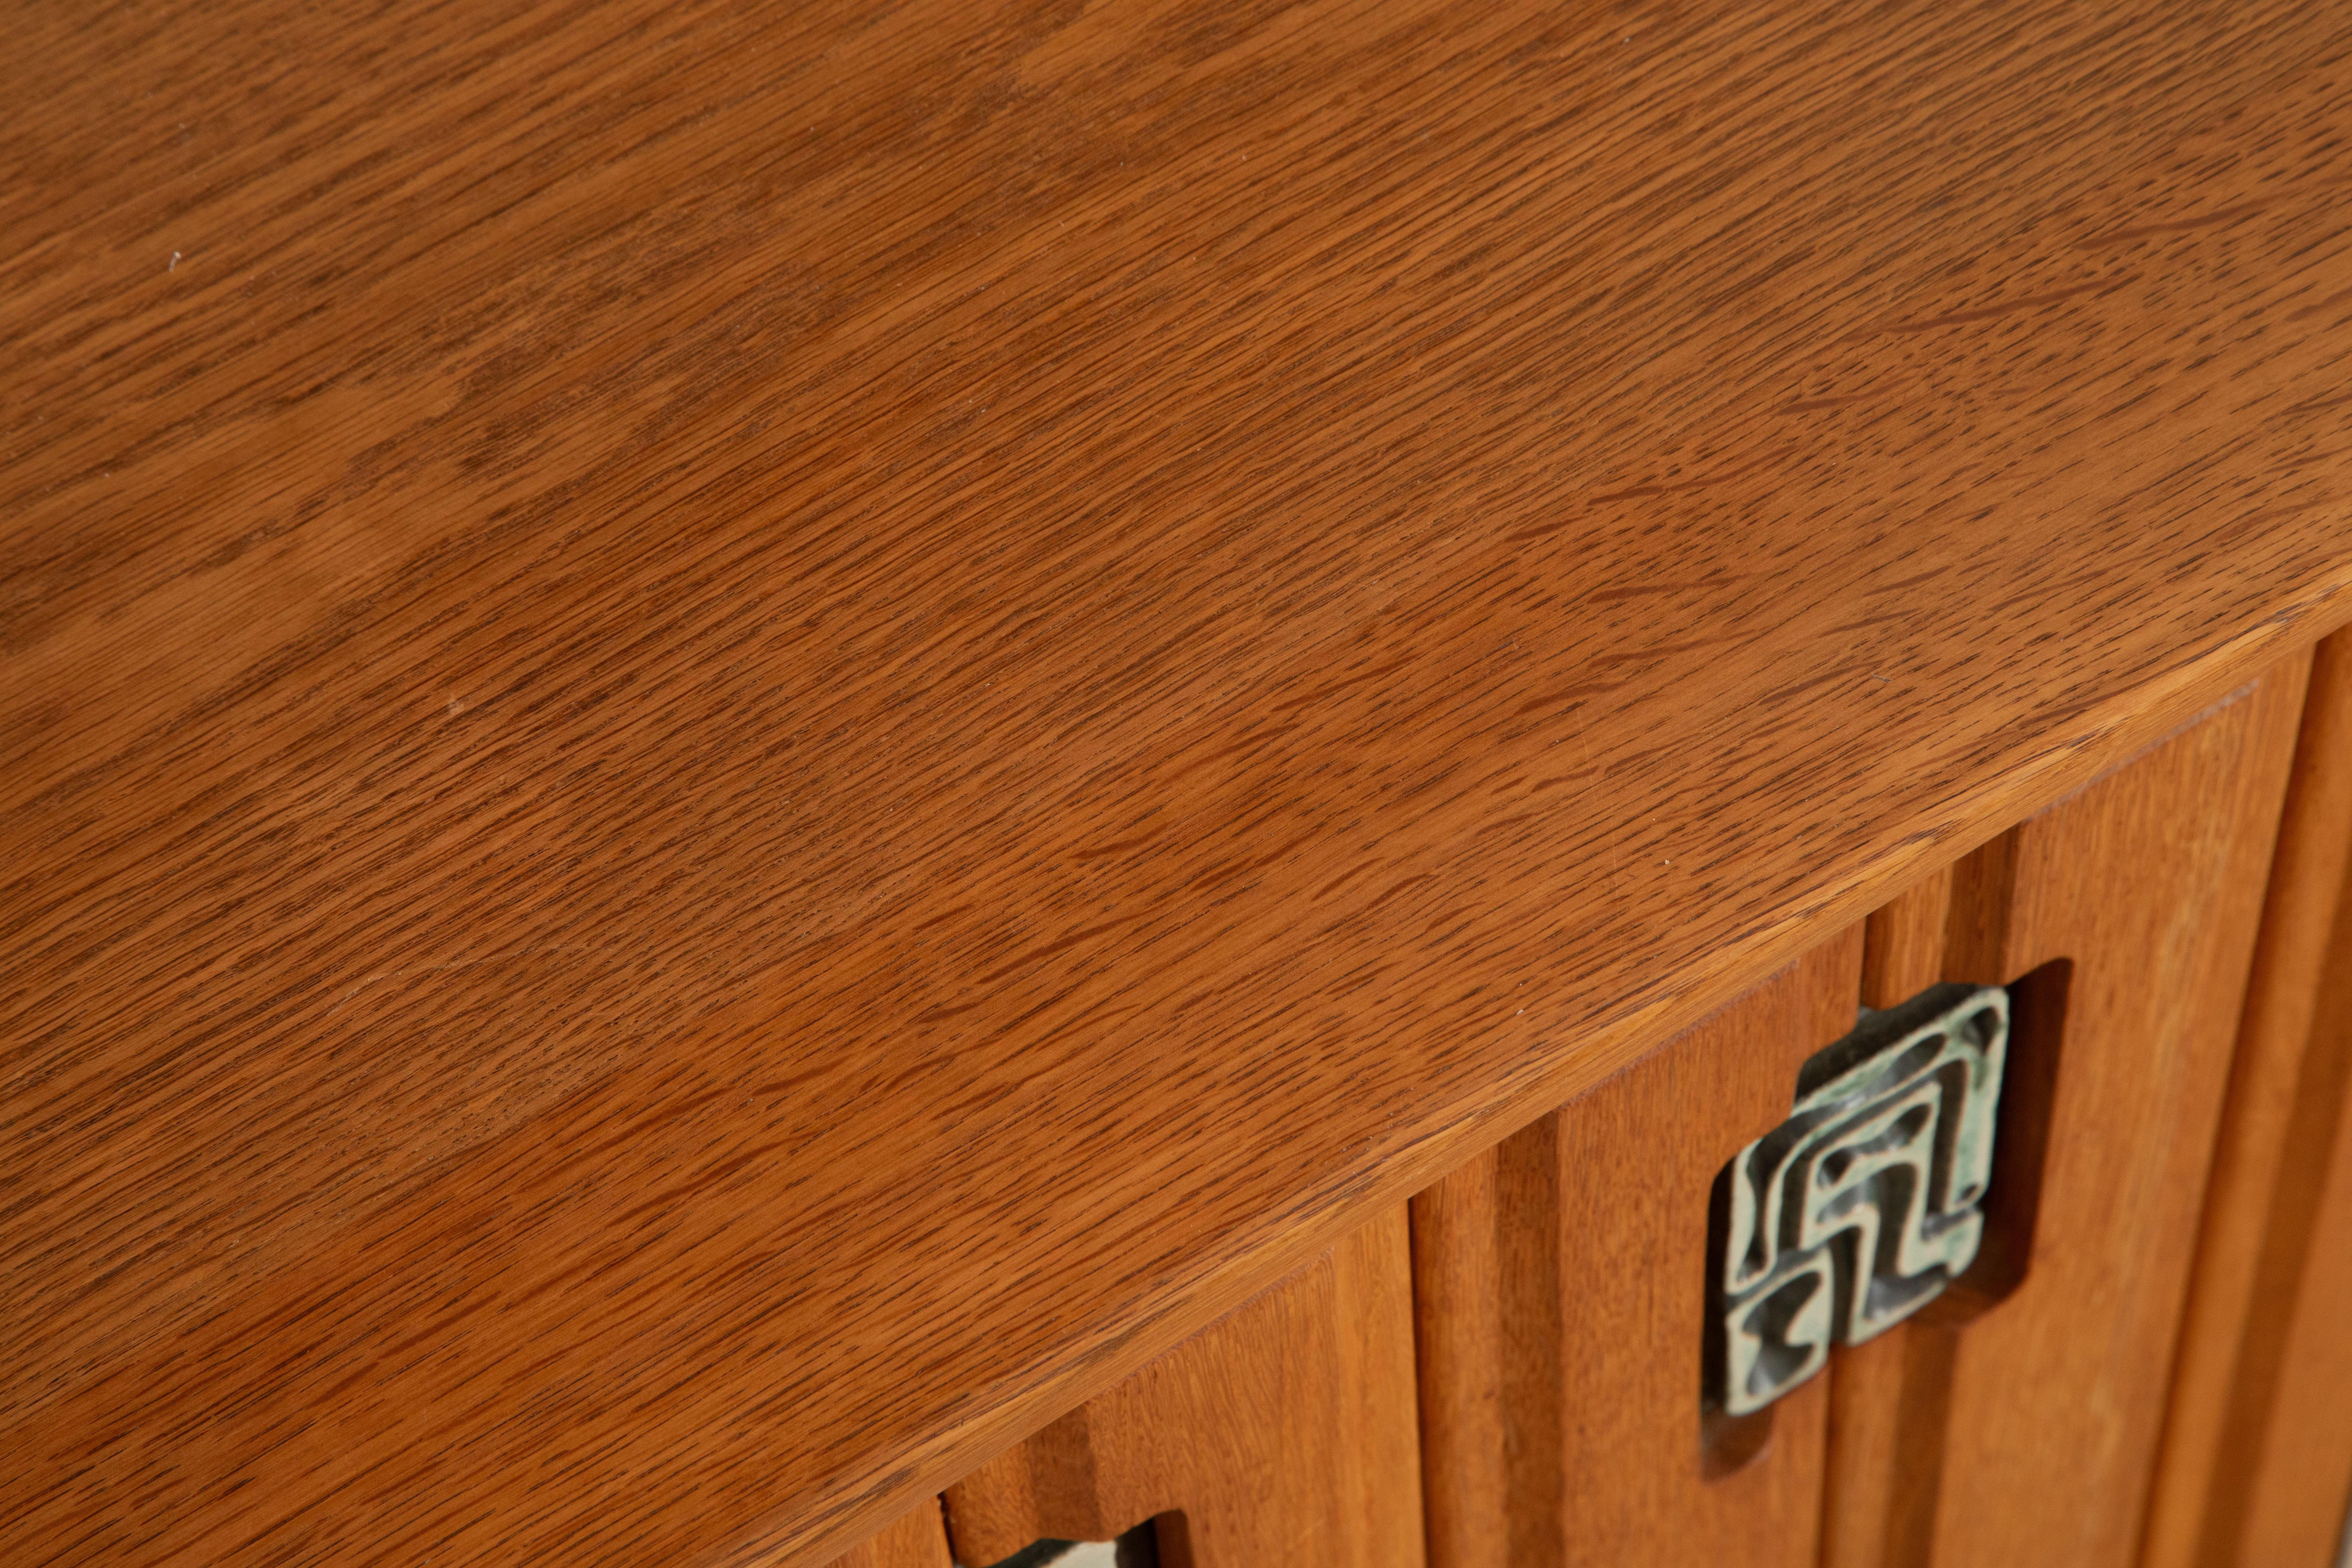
x=1392 y=783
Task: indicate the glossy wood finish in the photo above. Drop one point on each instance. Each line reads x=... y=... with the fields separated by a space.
x=1561 y=1288
x=916 y=1539
x=745 y=744
x=2150 y=884
x=1285 y=1433
x=2257 y=1464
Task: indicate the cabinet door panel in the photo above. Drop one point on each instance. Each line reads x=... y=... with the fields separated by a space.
x=2258 y=1451
x=2150 y=884
x=2017 y=1420
x=1561 y=1284
x=1285 y=1432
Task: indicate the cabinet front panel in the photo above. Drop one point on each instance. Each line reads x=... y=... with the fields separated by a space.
x=1553 y=1297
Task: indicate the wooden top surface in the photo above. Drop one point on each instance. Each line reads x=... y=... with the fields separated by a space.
x=742 y=741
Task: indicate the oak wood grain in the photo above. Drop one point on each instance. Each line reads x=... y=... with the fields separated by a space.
x=1560 y=1282
x=740 y=745
x=1285 y=1433
x=916 y=1538
x=2257 y=1458
x=2149 y=885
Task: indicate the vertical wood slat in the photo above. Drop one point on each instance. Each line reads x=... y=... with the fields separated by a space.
x=1884 y=1446
x=1473 y=1470
x=916 y=1538
x=1561 y=1285
x=1890 y=1399
x=1285 y=1432
x=2298 y=1506
x=2257 y=1459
